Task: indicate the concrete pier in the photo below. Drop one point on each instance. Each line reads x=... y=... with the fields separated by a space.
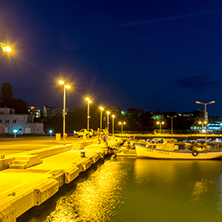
x=30 y=178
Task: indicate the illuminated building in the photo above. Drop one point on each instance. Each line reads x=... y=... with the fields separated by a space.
x=23 y=123
x=34 y=111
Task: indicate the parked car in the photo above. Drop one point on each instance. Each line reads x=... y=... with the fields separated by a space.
x=81 y=132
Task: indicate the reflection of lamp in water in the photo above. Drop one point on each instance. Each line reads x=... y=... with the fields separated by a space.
x=205 y=112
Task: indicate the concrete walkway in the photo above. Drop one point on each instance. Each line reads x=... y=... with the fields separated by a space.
x=24 y=188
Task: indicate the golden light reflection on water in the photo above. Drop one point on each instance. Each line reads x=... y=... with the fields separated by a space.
x=96 y=199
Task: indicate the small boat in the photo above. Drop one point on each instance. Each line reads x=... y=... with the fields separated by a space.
x=166 y=149
x=115 y=142
x=128 y=147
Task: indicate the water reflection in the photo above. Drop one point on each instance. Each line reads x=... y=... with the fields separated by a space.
x=96 y=199
x=130 y=189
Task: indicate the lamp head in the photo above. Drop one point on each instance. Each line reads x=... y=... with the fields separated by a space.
x=6 y=49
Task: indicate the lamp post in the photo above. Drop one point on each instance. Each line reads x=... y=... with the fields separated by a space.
x=201 y=122
x=113 y=116
x=172 y=122
x=205 y=114
x=64 y=107
x=88 y=116
x=50 y=133
x=101 y=117
x=107 y=112
x=5 y=48
x=160 y=123
x=122 y=123
x=15 y=131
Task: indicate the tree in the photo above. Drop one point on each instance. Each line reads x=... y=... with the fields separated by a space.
x=6 y=94
x=20 y=106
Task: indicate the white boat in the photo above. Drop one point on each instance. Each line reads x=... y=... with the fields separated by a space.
x=166 y=149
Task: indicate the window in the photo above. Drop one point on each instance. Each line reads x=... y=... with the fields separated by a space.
x=7 y=121
x=0 y=120
x=14 y=121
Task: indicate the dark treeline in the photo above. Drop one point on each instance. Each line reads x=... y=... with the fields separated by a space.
x=135 y=118
x=7 y=100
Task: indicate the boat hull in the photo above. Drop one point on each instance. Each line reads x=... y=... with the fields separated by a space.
x=153 y=153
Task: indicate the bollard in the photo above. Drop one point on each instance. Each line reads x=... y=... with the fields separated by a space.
x=2 y=156
x=82 y=153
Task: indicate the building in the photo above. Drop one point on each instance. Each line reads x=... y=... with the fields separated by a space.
x=49 y=112
x=34 y=111
x=19 y=123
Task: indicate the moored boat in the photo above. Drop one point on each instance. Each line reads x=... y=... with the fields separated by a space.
x=166 y=149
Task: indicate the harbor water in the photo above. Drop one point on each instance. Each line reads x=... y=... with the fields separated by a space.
x=130 y=189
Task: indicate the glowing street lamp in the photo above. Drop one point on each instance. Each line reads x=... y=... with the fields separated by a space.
x=172 y=122
x=101 y=117
x=113 y=116
x=64 y=107
x=15 y=131
x=88 y=116
x=122 y=123
x=160 y=123
x=50 y=133
x=107 y=112
x=5 y=48
x=205 y=114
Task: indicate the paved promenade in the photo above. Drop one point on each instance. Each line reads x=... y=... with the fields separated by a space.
x=31 y=177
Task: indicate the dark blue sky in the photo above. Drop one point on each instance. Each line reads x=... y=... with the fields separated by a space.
x=153 y=55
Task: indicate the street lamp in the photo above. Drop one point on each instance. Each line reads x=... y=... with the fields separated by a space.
x=50 y=133
x=88 y=116
x=205 y=114
x=160 y=123
x=201 y=122
x=15 y=131
x=5 y=48
x=107 y=112
x=172 y=122
x=101 y=117
x=122 y=123
x=113 y=116
x=64 y=107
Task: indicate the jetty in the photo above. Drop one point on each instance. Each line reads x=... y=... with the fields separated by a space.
x=31 y=177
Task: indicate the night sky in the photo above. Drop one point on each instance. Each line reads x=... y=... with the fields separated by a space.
x=153 y=55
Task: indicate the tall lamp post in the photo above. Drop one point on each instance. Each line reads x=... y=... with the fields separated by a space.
x=205 y=114
x=122 y=123
x=107 y=112
x=172 y=122
x=113 y=116
x=160 y=123
x=101 y=117
x=88 y=116
x=64 y=107
x=5 y=48
x=201 y=122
